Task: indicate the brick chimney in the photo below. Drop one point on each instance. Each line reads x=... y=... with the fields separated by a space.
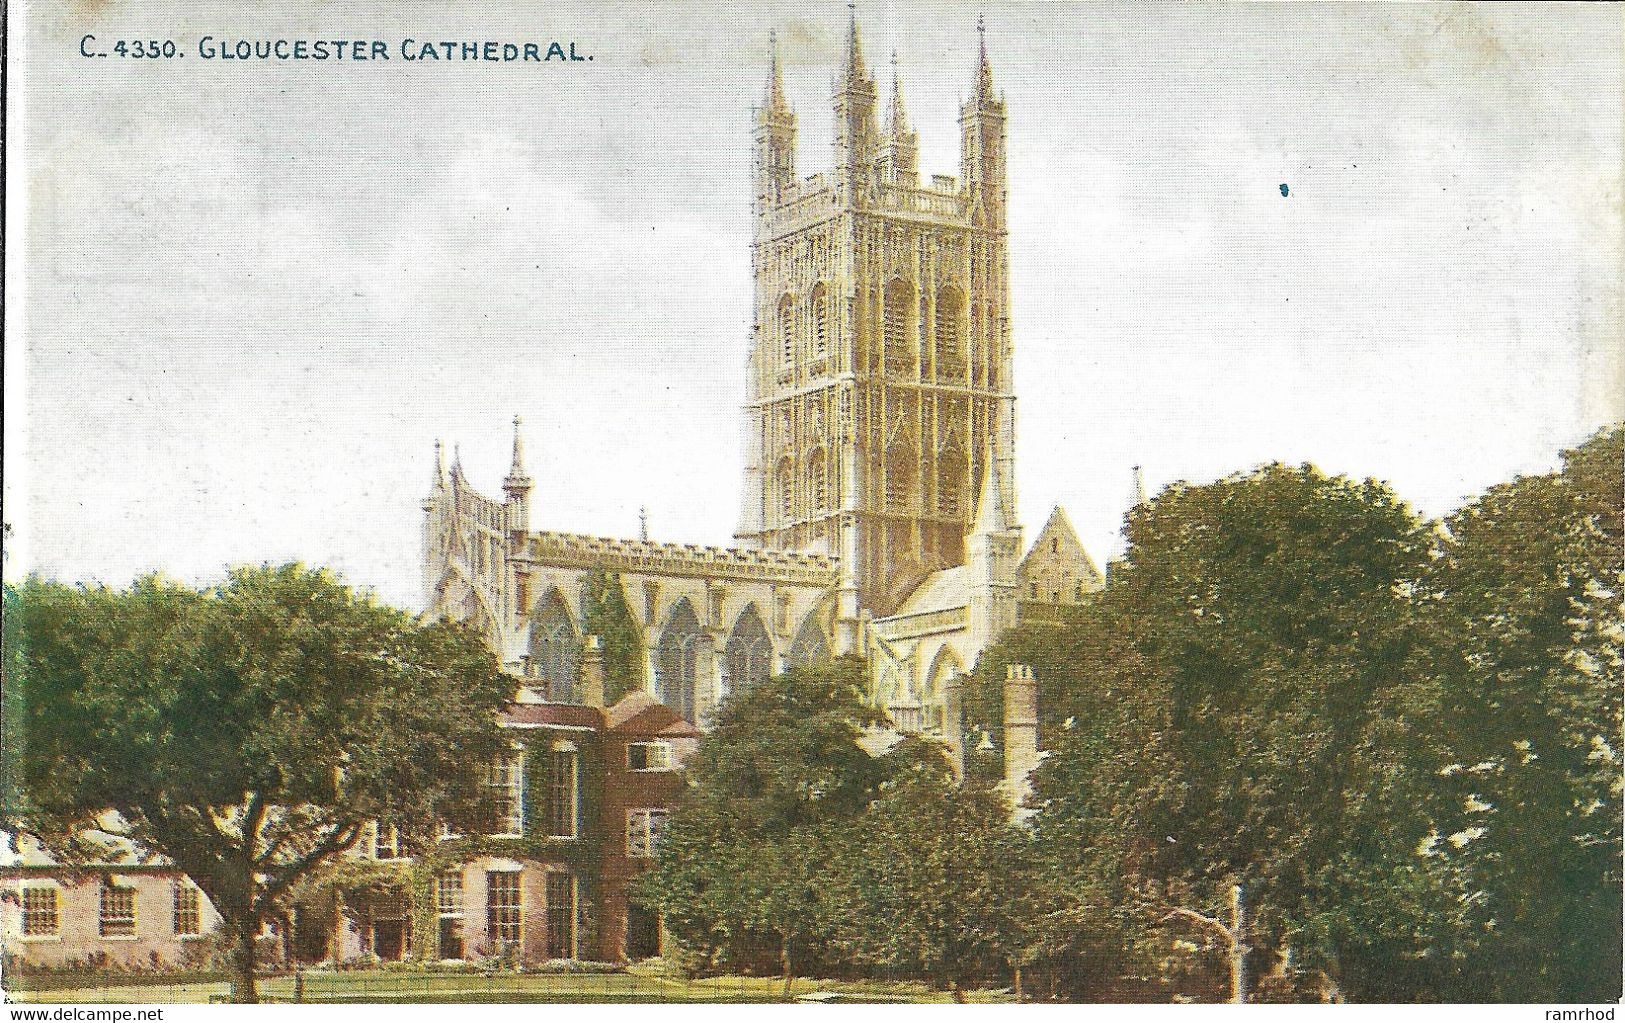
x=1020 y=731
x=592 y=671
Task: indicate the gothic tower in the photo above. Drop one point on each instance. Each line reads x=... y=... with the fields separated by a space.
x=880 y=393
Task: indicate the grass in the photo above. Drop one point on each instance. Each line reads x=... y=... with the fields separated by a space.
x=380 y=987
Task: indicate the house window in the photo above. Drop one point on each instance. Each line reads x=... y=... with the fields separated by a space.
x=562 y=788
x=643 y=828
x=386 y=842
x=448 y=903
x=649 y=756
x=41 y=912
x=117 y=918
x=561 y=916
x=503 y=905
x=188 y=910
x=506 y=784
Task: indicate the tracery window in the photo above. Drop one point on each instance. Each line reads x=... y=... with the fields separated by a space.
x=810 y=646
x=786 y=485
x=677 y=664
x=749 y=654
x=898 y=335
x=787 y=330
x=950 y=352
x=555 y=651
x=818 y=480
x=820 y=319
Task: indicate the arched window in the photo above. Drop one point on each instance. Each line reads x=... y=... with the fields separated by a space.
x=786 y=486
x=899 y=338
x=677 y=661
x=950 y=350
x=818 y=480
x=951 y=483
x=787 y=330
x=901 y=468
x=749 y=655
x=820 y=320
x=555 y=651
x=810 y=646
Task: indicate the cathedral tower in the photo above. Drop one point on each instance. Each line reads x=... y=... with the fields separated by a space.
x=880 y=392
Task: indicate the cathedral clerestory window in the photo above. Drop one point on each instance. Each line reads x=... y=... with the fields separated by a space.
x=749 y=654
x=677 y=661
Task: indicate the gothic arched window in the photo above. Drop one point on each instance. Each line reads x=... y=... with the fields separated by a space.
x=810 y=646
x=555 y=651
x=951 y=483
x=787 y=330
x=899 y=338
x=785 y=484
x=901 y=468
x=950 y=352
x=820 y=320
x=677 y=661
x=749 y=655
x=818 y=480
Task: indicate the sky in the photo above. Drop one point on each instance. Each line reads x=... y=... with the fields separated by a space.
x=245 y=298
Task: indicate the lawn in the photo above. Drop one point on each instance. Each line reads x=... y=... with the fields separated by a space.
x=380 y=986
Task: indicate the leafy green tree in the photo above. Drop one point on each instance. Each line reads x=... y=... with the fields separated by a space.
x=248 y=732
x=749 y=866
x=1524 y=610
x=604 y=611
x=944 y=881
x=1232 y=705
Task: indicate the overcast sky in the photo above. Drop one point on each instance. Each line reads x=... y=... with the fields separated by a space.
x=248 y=296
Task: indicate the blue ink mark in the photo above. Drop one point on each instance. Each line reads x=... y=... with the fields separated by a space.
x=1283 y=191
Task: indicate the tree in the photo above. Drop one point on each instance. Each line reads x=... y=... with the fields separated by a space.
x=748 y=866
x=604 y=610
x=248 y=732
x=1243 y=672
x=1524 y=609
x=945 y=883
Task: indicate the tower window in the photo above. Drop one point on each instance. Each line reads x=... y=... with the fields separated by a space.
x=787 y=491
x=787 y=330
x=950 y=353
x=818 y=480
x=820 y=318
x=898 y=335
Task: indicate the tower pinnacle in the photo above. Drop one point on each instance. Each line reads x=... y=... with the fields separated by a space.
x=984 y=67
x=774 y=98
x=856 y=71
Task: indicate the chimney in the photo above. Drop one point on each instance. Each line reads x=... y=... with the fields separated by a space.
x=953 y=723
x=1020 y=731
x=592 y=672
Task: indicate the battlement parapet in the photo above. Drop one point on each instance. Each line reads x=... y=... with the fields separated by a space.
x=576 y=550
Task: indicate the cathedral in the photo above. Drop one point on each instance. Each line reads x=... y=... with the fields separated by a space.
x=879 y=514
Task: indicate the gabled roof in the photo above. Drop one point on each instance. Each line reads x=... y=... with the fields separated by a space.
x=640 y=713
x=1059 y=528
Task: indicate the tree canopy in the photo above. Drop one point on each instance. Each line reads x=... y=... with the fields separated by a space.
x=247 y=732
